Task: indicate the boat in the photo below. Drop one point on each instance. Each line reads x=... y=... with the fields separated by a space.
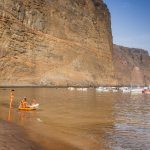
x=27 y=109
x=137 y=90
x=103 y=89
x=31 y=107
x=81 y=89
x=125 y=89
x=99 y=89
x=71 y=88
x=114 y=90
x=146 y=91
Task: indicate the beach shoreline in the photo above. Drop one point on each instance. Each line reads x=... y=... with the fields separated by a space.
x=14 y=137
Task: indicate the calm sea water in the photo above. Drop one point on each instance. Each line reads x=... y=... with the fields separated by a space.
x=88 y=120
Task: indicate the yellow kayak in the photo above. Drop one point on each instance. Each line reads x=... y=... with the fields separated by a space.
x=27 y=109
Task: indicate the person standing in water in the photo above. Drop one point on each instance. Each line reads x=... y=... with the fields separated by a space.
x=11 y=98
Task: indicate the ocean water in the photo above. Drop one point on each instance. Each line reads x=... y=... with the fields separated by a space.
x=87 y=120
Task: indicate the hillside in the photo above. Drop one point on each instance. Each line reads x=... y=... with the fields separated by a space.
x=132 y=66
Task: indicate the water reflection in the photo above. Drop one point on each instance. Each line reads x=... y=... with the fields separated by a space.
x=26 y=116
x=10 y=114
x=87 y=120
x=132 y=123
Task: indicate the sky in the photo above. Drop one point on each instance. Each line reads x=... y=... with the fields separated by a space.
x=130 y=20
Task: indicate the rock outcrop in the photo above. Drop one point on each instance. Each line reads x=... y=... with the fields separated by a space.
x=132 y=66
x=55 y=43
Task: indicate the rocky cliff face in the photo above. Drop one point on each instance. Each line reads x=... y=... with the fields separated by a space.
x=62 y=43
x=132 y=66
x=55 y=42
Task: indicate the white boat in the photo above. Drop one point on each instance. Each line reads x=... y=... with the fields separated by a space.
x=125 y=89
x=71 y=88
x=99 y=89
x=102 y=89
x=81 y=89
x=114 y=90
x=105 y=90
x=137 y=90
x=84 y=89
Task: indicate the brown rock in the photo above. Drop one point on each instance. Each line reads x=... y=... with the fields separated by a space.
x=132 y=66
x=55 y=43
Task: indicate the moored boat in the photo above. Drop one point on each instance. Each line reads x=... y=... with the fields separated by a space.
x=146 y=91
x=137 y=90
x=31 y=107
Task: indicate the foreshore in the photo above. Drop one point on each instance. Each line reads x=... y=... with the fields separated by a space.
x=13 y=137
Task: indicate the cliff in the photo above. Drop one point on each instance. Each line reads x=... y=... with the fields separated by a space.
x=64 y=43
x=55 y=43
x=132 y=66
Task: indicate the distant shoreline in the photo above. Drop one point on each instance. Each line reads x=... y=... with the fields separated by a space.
x=117 y=86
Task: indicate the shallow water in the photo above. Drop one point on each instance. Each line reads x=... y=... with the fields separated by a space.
x=87 y=120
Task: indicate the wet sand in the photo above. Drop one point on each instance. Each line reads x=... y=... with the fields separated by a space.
x=13 y=137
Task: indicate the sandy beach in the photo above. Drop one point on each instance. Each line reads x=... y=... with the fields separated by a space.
x=13 y=137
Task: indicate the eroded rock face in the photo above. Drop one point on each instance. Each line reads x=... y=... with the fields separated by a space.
x=55 y=42
x=132 y=66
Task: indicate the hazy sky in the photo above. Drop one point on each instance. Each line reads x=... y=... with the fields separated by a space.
x=130 y=22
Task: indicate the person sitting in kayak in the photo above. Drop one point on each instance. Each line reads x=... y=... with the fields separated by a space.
x=34 y=102
x=24 y=103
